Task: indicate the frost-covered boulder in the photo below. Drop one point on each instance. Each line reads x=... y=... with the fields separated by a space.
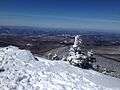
x=11 y=54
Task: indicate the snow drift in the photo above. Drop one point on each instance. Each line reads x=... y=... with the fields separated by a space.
x=20 y=70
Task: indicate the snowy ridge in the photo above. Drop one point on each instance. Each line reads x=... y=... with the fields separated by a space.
x=23 y=72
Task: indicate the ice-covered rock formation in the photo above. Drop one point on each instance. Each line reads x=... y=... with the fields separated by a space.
x=19 y=70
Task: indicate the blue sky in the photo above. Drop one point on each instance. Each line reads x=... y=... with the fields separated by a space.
x=87 y=14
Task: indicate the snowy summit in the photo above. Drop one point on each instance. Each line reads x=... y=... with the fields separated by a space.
x=20 y=70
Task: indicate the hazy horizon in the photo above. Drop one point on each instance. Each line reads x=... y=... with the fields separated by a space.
x=79 y=14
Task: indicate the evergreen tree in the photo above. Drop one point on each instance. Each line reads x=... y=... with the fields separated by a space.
x=77 y=57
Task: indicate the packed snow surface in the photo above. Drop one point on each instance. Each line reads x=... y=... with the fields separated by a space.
x=20 y=70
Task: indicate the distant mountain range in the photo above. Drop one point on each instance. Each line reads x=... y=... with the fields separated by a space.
x=28 y=30
x=20 y=30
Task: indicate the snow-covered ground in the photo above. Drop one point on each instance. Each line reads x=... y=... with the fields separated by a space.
x=20 y=70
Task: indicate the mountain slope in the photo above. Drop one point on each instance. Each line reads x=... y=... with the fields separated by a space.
x=20 y=70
